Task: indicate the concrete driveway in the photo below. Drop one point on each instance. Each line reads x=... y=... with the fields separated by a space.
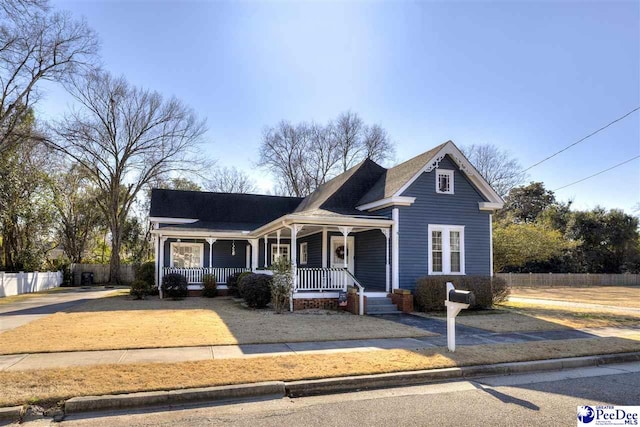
x=34 y=307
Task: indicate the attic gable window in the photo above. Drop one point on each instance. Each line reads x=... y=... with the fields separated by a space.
x=444 y=181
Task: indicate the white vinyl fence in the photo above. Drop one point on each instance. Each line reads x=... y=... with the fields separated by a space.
x=24 y=283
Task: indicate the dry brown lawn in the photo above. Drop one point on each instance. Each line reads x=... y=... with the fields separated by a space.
x=53 y=385
x=520 y=317
x=119 y=322
x=621 y=296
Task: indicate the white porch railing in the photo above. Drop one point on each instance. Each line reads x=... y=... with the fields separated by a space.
x=194 y=275
x=322 y=279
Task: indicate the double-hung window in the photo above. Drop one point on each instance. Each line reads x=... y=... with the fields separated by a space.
x=444 y=181
x=283 y=252
x=187 y=255
x=446 y=249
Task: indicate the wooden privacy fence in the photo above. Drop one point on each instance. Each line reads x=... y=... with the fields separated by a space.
x=24 y=283
x=101 y=272
x=532 y=280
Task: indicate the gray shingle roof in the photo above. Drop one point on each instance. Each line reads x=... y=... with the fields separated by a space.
x=364 y=183
x=341 y=194
x=394 y=178
x=221 y=208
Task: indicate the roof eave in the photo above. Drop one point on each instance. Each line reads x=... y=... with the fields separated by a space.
x=289 y=219
x=384 y=203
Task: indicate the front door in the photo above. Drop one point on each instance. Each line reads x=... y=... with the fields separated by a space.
x=338 y=254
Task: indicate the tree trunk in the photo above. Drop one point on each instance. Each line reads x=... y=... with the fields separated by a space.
x=114 y=261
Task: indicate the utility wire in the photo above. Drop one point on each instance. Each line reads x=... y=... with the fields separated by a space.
x=596 y=174
x=579 y=141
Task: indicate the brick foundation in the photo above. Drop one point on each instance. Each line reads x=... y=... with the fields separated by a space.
x=315 y=303
x=198 y=293
x=353 y=303
x=403 y=299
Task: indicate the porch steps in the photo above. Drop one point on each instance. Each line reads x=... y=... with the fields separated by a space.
x=381 y=305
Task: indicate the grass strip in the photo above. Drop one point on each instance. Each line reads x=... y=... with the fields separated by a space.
x=52 y=385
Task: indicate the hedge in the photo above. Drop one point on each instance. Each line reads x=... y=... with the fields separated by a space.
x=430 y=291
x=175 y=286
x=255 y=289
x=209 y=286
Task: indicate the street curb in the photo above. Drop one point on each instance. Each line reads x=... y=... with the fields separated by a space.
x=280 y=389
x=10 y=413
x=172 y=397
x=364 y=382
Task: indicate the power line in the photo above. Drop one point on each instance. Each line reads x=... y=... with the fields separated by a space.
x=580 y=140
x=596 y=174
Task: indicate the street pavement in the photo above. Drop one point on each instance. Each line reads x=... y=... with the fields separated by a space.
x=539 y=399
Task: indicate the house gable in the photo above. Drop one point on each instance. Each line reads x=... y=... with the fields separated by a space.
x=432 y=208
x=391 y=187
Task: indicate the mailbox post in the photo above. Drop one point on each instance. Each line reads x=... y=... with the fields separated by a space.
x=456 y=301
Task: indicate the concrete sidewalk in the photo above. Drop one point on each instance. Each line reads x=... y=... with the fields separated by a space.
x=22 y=362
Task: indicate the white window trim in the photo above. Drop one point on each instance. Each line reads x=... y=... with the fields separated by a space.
x=446 y=249
x=304 y=254
x=186 y=244
x=449 y=173
x=274 y=250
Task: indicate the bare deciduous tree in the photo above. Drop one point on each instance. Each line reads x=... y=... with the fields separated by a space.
x=497 y=166
x=35 y=45
x=377 y=144
x=282 y=152
x=301 y=157
x=125 y=138
x=230 y=180
x=75 y=200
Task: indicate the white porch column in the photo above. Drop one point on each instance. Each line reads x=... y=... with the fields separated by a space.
x=491 y=244
x=345 y=232
x=255 y=244
x=386 y=233
x=395 y=258
x=295 y=228
x=156 y=255
x=324 y=247
x=266 y=241
x=161 y=263
x=278 y=244
x=211 y=241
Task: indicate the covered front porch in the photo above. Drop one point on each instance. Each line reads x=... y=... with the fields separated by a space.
x=327 y=254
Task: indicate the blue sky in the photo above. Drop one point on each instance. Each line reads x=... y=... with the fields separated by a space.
x=531 y=77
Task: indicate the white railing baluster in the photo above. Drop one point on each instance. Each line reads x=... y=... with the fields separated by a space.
x=322 y=279
x=194 y=275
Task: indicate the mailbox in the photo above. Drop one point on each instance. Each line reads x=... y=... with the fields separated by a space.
x=456 y=300
x=462 y=297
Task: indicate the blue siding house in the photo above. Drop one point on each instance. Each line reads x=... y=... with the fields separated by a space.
x=373 y=228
